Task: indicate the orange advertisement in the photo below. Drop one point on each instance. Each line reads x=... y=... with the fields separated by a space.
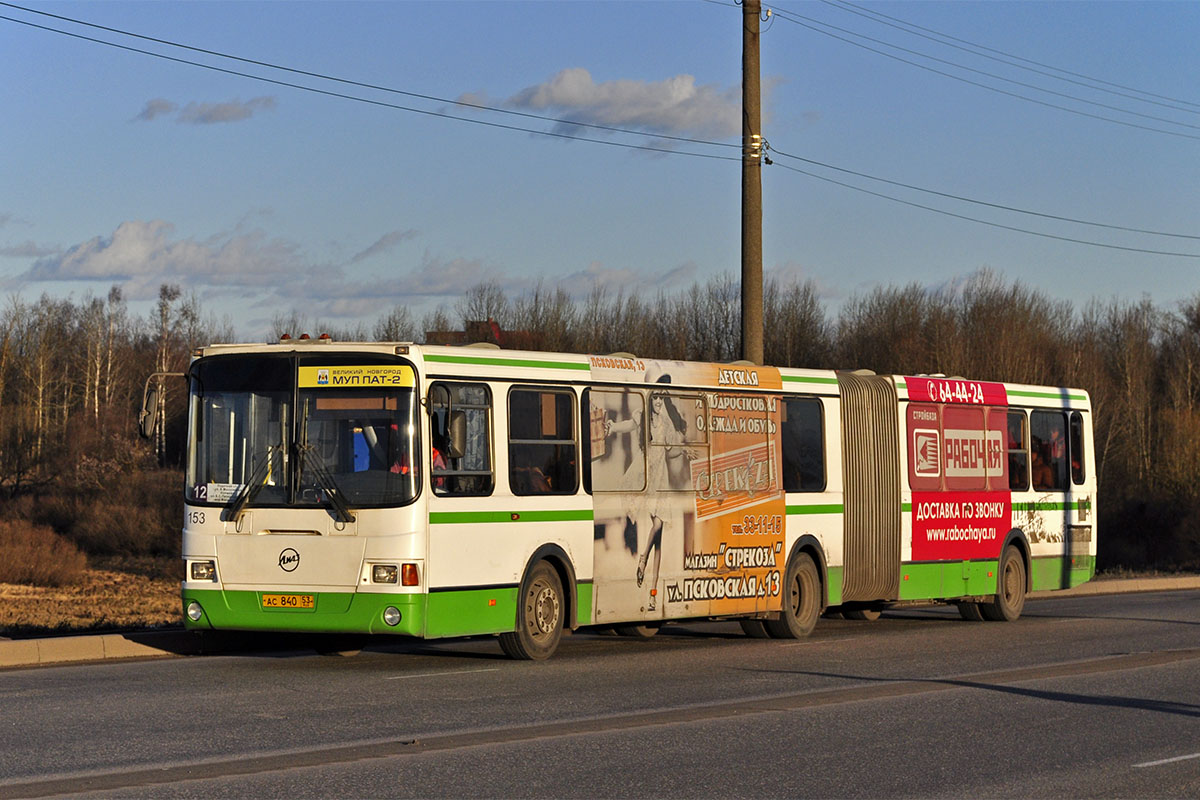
x=689 y=506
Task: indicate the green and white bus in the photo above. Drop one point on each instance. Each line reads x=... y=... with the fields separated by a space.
x=429 y=491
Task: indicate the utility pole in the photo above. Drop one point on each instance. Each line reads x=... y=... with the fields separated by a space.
x=752 y=147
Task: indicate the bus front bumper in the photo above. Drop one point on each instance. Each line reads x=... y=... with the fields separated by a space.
x=313 y=612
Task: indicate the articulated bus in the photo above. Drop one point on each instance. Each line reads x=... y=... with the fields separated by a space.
x=436 y=491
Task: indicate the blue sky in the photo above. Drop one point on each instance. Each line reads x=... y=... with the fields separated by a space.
x=117 y=167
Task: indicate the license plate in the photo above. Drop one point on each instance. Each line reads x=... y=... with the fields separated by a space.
x=288 y=601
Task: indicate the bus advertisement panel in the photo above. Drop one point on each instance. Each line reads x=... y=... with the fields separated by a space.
x=689 y=507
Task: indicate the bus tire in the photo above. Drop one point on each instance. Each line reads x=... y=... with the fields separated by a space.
x=636 y=631
x=801 y=600
x=868 y=614
x=541 y=610
x=1010 y=589
x=754 y=628
x=969 y=611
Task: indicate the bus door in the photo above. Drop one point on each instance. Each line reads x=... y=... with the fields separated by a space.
x=871 y=476
x=459 y=480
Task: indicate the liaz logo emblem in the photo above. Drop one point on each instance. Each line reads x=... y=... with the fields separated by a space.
x=289 y=559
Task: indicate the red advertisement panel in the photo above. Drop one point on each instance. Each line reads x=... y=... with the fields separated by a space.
x=954 y=526
x=956 y=390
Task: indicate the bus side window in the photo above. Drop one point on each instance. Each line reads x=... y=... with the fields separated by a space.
x=541 y=442
x=1048 y=440
x=803 y=444
x=1077 y=475
x=470 y=474
x=616 y=441
x=1018 y=455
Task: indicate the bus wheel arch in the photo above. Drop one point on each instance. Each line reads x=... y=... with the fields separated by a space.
x=1016 y=538
x=562 y=564
x=805 y=592
x=1012 y=582
x=541 y=614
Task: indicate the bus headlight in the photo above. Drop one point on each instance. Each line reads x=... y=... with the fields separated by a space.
x=384 y=573
x=391 y=615
x=194 y=611
x=204 y=570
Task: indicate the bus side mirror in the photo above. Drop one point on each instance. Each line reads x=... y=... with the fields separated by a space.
x=148 y=417
x=456 y=435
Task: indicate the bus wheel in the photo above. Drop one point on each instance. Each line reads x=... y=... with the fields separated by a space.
x=1010 y=589
x=754 y=628
x=970 y=611
x=868 y=614
x=801 y=600
x=540 y=615
x=636 y=631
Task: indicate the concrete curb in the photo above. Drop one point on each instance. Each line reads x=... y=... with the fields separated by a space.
x=158 y=644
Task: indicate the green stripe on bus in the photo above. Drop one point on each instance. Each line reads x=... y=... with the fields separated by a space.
x=808 y=379
x=816 y=508
x=508 y=362
x=1046 y=395
x=486 y=517
x=1047 y=506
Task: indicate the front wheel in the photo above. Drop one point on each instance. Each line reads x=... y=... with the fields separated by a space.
x=540 y=615
x=801 y=600
x=1010 y=589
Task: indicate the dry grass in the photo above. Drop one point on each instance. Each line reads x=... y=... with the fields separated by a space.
x=35 y=554
x=105 y=600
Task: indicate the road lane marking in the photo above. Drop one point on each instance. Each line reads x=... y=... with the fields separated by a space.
x=1160 y=762
x=436 y=674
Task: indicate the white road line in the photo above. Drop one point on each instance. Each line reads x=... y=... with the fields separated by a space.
x=1167 y=761
x=436 y=674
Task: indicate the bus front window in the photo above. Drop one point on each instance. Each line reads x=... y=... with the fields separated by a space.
x=261 y=438
x=241 y=418
x=356 y=444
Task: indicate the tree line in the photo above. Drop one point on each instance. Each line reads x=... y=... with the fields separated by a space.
x=72 y=373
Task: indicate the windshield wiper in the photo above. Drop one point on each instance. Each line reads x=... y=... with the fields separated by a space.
x=254 y=484
x=325 y=481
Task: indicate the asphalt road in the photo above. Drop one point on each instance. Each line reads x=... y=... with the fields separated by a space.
x=1083 y=697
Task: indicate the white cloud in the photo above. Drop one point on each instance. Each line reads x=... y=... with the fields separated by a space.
x=626 y=279
x=205 y=113
x=27 y=250
x=383 y=244
x=232 y=111
x=144 y=254
x=156 y=108
x=675 y=106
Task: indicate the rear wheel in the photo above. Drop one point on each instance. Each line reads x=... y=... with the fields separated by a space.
x=801 y=600
x=970 y=611
x=868 y=614
x=1010 y=589
x=540 y=615
x=636 y=631
x=754 y=628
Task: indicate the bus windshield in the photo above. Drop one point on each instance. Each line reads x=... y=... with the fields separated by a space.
x=287 y=432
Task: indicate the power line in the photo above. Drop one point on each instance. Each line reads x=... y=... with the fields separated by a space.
x=560 y=135
x=796 y=19
x=395 y=106
x=998 y=206
x=333 y=78
x=986 y=222
x=879 y=17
